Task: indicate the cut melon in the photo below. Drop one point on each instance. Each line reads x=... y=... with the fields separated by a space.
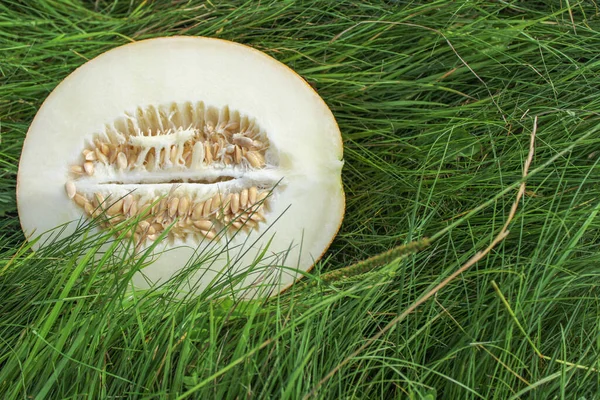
x=202 y=142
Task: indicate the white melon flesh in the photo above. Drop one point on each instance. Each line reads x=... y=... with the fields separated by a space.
x=203 y=141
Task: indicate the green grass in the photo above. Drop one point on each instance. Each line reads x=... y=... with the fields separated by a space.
x=436 y=101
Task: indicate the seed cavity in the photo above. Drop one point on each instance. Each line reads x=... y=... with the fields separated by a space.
x=157 y=138
x=174 y=138
x=208 y=216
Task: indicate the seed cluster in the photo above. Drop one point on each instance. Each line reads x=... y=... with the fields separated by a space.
x=199 y=136
x=186 y=216
x=175 y=137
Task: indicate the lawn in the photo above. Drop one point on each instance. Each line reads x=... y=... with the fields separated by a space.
x=468 y=262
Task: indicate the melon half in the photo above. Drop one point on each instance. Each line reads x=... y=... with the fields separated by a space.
x=193 y=144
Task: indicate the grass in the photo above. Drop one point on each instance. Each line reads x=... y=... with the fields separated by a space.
x=436 y=101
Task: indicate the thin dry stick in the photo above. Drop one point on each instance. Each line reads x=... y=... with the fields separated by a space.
x=477 y=257
x=571 y=16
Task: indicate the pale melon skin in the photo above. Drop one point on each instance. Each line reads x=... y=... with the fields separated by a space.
x=300 y=126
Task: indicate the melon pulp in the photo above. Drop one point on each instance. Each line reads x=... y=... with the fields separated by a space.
x=203 y=142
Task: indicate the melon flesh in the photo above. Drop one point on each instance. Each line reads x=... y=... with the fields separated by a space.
x=206 y=142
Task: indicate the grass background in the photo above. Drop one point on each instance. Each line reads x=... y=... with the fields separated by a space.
x=436 y=101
